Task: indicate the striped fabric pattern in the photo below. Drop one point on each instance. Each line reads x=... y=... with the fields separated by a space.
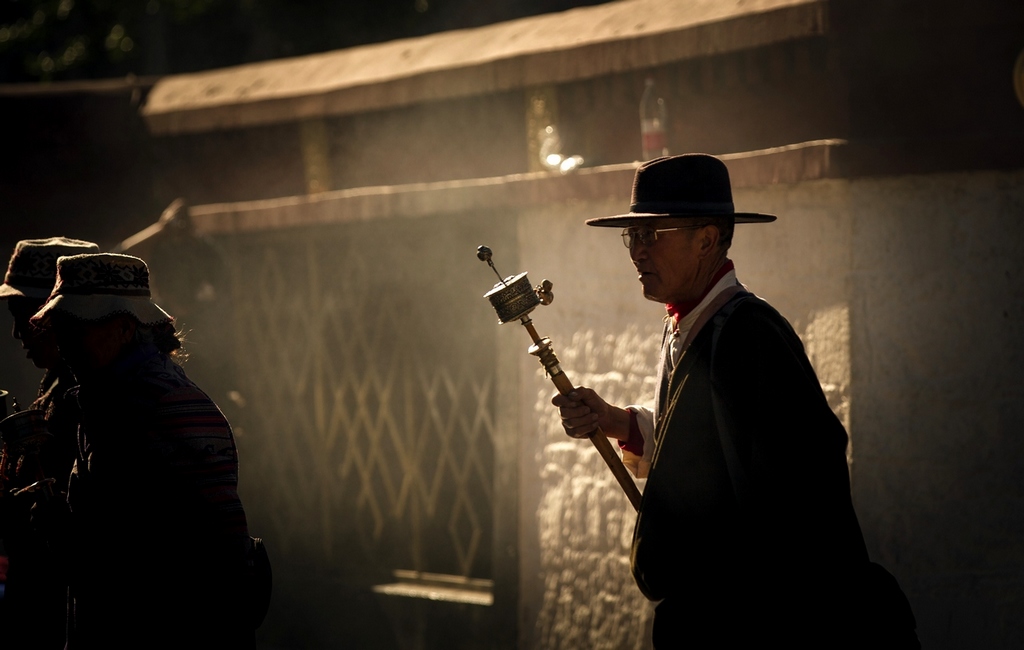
x=196 y=443
x=181 y=433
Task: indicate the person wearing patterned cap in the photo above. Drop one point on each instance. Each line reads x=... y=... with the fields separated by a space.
x=36 y=591
x=158 y=539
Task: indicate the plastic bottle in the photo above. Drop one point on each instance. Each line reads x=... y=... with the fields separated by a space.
x=653 y=137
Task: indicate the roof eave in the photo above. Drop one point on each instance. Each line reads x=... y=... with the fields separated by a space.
x=167 y=113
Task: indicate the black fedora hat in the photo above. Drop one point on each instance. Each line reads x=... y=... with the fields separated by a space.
x=691 y=185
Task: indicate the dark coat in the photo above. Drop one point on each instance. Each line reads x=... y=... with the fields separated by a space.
x=770 y=558
x=158 y=534
x=35 y=599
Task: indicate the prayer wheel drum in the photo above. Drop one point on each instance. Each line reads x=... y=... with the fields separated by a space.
x=513 y=298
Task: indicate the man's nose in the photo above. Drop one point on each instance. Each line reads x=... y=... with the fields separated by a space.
x=638 y=251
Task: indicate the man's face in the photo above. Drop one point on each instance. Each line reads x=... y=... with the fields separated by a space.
x=39 y=345
x=668 y=267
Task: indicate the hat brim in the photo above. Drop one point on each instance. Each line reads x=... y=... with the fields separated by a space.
x=632 y=218
x=98 y=307
x=7 y=291
x=11 y=291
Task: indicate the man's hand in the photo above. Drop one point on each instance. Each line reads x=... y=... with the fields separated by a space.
x=583 y=411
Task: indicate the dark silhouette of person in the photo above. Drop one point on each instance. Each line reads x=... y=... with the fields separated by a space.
x=35 y=598
x=157 y=537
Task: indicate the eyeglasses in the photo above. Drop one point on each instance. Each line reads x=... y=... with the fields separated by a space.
x=646 y=235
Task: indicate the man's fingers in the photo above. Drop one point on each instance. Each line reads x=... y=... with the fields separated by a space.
x=562 y=401
x=569 y=412
x=578 y=419
x=572 y=399
x=585 y=420
x=580 y=426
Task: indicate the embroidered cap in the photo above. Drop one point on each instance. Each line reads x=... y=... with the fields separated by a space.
x=95 y=287
x=33 y=266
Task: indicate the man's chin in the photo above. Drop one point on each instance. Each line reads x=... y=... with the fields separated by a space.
x=651 y=293
x=39 y=363
x=654 y=297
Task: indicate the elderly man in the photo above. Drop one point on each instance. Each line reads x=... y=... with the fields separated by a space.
x=747 y=532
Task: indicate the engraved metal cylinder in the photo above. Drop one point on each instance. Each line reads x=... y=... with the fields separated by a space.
x=24 y=432
x=513 y=299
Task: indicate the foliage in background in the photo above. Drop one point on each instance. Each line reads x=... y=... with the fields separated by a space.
x=46 y=40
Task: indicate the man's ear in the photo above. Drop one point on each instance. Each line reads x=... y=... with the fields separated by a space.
x=707 y=240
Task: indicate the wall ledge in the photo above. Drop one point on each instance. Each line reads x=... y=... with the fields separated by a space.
x=793 y=163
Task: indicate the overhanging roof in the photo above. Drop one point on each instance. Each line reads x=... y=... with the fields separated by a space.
x=552 y=48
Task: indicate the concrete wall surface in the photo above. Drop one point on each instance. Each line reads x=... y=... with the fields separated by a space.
x=937 y=322
x=905 y=292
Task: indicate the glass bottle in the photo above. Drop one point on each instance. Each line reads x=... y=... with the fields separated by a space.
x=653 y=137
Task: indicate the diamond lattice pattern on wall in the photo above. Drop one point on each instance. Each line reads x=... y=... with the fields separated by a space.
x=368 y=431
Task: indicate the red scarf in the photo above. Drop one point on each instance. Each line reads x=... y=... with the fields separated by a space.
x=679 y=311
